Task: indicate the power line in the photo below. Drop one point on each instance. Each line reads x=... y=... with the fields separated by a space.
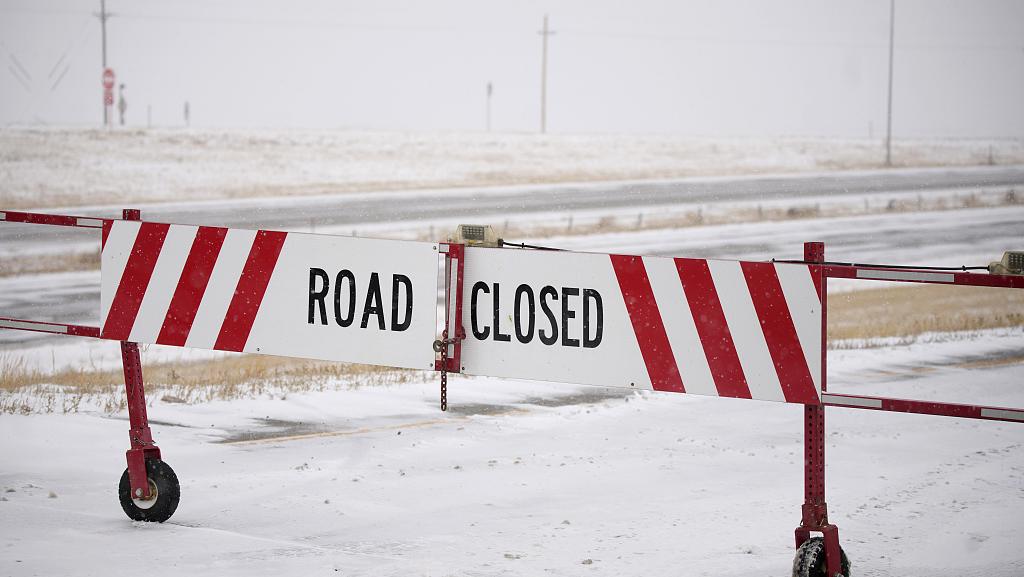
x=575 y=32
x=288 y=23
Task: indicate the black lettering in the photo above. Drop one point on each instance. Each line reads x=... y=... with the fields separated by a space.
x=342 y=276
x=376 y=307
x=318 y=296
x=396 y=281
x=552 y=337
x=568 y=314
x=480 y=335
x=498 y=335
x=592 y=295
x=525 y=337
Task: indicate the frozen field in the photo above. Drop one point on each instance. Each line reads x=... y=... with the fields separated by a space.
x=520 y=478
x=73 y=167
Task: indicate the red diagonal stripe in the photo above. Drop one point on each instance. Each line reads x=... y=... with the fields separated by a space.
x=647 y=324
x=137 y=272
x=105 y=233
x=195 y=275
x=779 y=332
x=816 y=273
x=250 y=290
x=712 y=328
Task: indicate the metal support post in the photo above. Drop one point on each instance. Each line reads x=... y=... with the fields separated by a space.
x=450 y=343
x=814 y=516
x=142 y=445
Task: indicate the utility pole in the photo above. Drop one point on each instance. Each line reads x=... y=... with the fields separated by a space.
x=544 y=76
x=888 y=130
x=490 y=91
x=103 y=15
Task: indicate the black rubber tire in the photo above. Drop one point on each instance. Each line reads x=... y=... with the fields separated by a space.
x=810 y=560
x=164 y=481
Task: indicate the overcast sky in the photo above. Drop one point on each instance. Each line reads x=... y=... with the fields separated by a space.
x=702 y=68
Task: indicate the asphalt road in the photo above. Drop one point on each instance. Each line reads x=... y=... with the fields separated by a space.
x=297 y=214
x=908 y=237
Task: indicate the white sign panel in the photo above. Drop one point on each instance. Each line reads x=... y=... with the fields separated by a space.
x=723 y=328
x=290 y=294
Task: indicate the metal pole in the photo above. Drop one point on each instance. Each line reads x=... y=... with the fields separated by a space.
x=490 y=90
x=814 y=415
x=103 y=35
x=544 y=76
x=814 y=513
x=888 y=130
x=140 y=435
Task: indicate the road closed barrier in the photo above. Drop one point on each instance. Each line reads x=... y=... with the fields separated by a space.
x=753 y=330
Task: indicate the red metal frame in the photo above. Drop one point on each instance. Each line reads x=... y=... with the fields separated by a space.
x=814 y=516
x=455 y=256
x=922 y=276
x=814 y=513
x=139 y=434
x=952 y=278
x=55 y=219
x=62 y=220
x=923 y=407
x=46 y=327
x=142 y=445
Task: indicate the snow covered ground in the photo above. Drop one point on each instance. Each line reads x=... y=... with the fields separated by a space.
x=75 y=166
x=531 y=479
x=518 y=478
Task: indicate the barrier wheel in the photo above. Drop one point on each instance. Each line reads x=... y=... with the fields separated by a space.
x=163 y=485
x=810 y=560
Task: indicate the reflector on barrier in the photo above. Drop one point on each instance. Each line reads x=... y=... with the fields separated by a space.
x=298 y=295
x=708 y=327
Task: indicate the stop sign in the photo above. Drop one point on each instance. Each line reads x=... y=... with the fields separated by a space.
x=108 y=79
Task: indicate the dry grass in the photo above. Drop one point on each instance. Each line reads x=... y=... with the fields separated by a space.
x=905 y=312
x=24 y=390
x=856 y=319
x=72 y=262
x=571 y=226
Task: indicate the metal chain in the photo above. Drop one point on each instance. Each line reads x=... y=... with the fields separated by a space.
x=441 y=346
x=444 y=373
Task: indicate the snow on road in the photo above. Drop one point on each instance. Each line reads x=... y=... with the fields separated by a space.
x=974 y=236
x=601 y=482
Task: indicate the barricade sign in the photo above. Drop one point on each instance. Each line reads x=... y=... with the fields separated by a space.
x=709 y=327
x=740 y=329
x=290 y=294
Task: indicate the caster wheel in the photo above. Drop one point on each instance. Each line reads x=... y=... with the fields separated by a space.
x=810 y=560
x=163 y=486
